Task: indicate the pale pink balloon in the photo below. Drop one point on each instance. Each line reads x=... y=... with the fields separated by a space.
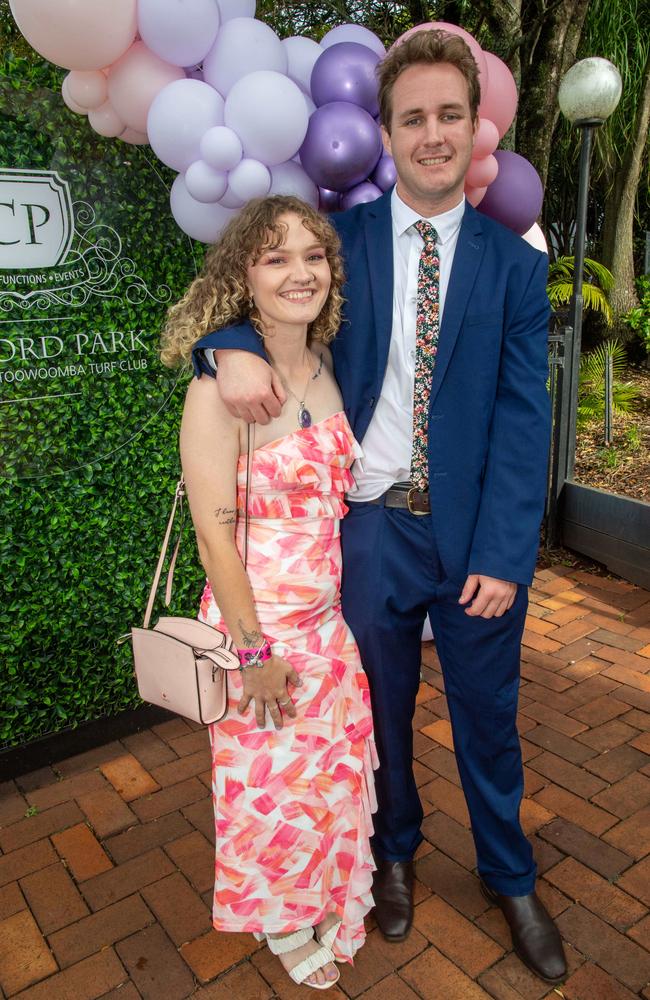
x=77 y=34
x=87 y=87
x=499 y=101
x=106 y=121
x=134 y=138
x=67 y=100
x=453 y=29
x=135 y=79
x=475 y=195
x=487 y=138
x=482 y=171
x=536 y=238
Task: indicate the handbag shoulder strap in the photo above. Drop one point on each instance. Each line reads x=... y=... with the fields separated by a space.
x=179 y=497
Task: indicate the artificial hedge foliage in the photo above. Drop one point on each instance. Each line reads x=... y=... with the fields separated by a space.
x=87 y=481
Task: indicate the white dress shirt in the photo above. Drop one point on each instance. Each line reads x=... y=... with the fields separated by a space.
x=388 y=442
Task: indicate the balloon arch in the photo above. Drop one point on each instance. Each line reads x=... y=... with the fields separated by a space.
x=239 y=113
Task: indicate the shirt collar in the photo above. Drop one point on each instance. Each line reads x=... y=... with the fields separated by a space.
x=445 y=224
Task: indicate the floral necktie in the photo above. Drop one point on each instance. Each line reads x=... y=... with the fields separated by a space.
x=427 y=327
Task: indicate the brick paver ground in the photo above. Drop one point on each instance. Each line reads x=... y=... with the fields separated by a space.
x=106 y=859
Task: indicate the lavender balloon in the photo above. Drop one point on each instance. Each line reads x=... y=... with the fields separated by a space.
x=514 y=198
x=359 y=195
x=328 y=201
x=346 y=72
x=290 y=178
x=353 y=33
x=342 y=146
x=385 y=173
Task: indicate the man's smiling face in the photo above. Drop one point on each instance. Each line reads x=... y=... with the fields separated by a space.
x=431 y=137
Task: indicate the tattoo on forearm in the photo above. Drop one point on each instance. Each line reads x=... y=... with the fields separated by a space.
x=225 y=515
x=251 y=637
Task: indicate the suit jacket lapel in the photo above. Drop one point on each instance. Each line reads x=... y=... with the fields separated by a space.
x=467 y=259
x=379 y=247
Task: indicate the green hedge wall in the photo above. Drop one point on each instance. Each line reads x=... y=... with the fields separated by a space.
x=87 y=482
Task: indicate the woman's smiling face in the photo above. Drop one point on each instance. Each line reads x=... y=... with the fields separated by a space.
x=290 y=283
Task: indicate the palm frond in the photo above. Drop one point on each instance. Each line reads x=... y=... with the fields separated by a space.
x=591 y=383
x=594 y=295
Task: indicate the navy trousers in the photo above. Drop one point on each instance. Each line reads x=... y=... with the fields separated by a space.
x=393 y=578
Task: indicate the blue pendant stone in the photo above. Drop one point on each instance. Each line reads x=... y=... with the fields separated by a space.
x=304 y=417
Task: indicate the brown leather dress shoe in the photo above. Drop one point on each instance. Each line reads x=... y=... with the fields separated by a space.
x=392 y=891
x=535 y=937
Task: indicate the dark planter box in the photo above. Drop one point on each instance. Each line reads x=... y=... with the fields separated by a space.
x=70 y=742
x=611 y=529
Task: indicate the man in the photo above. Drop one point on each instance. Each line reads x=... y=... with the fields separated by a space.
x=442 y=364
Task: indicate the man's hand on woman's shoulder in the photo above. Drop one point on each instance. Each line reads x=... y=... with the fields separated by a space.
x=249 y=387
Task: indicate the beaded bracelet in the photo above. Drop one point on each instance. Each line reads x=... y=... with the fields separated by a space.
x=252 y=657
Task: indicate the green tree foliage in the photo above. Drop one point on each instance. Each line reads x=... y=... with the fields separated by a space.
x=619 y=32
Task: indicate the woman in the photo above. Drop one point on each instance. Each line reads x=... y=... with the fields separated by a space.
x=293 y=758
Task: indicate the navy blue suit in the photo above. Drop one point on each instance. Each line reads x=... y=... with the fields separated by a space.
x=488 y=442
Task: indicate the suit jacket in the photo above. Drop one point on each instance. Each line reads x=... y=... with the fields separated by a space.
x=489 y=415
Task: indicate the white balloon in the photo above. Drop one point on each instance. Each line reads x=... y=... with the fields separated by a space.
x=302 y=53
x=235 y=8
x=231 y=200
x=106 y=121
x=200 y=221
x=204 y=183
x=178 y=117
x=67 y=100
x=87 y=88
x=268 y=112
x=353 y=33
x=290 y=178
x=243 y=45
x=311 y=107
x=249 y=179
x=536 y=238
x=180 y=31
x=221 y=148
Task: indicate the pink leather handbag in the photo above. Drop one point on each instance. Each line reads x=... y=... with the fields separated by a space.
x=181 y=663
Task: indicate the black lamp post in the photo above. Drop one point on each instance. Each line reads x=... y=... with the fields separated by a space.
x=589 y=93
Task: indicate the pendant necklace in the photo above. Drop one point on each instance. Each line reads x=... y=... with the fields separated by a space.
x=304 y=416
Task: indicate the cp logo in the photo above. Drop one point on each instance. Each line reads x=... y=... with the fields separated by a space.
x=36 y=222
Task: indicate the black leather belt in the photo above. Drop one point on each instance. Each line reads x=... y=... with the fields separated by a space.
x=405 y=497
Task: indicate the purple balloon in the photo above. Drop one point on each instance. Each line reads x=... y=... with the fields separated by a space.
x=385 y=173
x=342 y=146
x=328 y=201
x=514 y=198
x=359 y=195
x=346 y=72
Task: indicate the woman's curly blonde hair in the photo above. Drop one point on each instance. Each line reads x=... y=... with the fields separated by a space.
x=219 y=296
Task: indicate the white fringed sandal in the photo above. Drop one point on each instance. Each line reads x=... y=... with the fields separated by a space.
x=309 y=965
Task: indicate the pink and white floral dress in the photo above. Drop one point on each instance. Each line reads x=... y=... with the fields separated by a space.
x=293 y=806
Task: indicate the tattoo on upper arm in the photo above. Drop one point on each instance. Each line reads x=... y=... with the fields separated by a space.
x=225 y=515
x=252 y=637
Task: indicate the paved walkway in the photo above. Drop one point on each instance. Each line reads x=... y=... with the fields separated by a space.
x=106 y=865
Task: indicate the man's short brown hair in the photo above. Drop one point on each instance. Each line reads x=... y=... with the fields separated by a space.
x=427 y=48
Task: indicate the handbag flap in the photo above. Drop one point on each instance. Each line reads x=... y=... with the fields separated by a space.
x=193 y=632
